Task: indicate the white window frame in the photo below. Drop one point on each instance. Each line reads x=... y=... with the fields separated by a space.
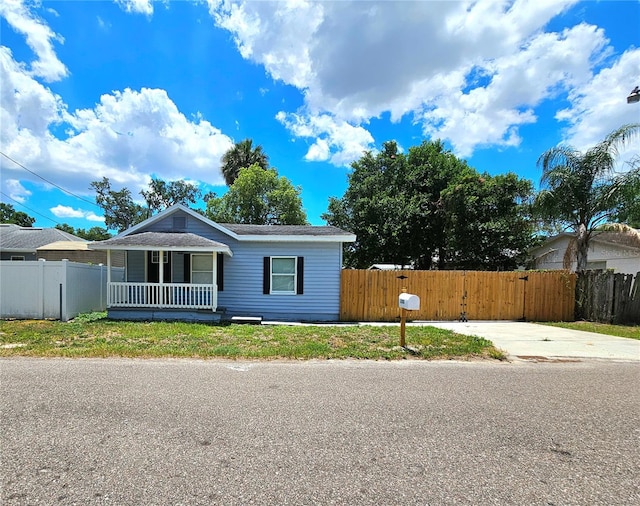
x=213 y=266
x=272 y=274
x=155 y=257
x=17 y=258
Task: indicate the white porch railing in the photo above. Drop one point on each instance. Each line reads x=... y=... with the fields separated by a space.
x=166 y=295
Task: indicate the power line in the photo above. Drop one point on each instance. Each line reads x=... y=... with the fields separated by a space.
x=50 y=182
x=29 y=209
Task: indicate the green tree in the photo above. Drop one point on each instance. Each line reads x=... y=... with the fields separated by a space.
x=9 y=215
x=418 y=209
x=488 y=222
x=431 y=169
x=582 y=191
x=258 y=197
x=373 y=209
x=242 y=155
x=120 y=211
x=162 y=194
x=65 y=227
x=92 y=234
x=628 y=211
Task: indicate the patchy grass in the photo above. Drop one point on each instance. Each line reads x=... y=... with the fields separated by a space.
x=95 y=336
x=630 y=331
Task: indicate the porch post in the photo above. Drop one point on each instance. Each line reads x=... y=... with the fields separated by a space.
x=108 y=278
x=214 y=289
x=161 y=275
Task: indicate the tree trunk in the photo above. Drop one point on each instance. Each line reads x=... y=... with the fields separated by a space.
x=582 y=246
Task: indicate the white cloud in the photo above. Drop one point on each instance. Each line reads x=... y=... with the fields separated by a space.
x=137 y=6
x=599 y=106
x=91 y=216
x=67 y=212
x=14 y=189
x=470 y=72
x=61 y=211
x=102 y=24
x=39 y=38
x=336 y=141
x=128 y=136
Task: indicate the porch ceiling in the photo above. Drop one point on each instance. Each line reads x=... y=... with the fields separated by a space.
x=165 y=241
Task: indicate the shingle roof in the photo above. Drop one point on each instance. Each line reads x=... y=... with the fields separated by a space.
x=14 y=237
x=164 y=240
x=630 y=240
x=283 y=229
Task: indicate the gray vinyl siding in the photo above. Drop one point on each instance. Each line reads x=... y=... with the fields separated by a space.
x=135 y=266
x=177 y=267
x=6 y=255
x=243 y=275
x=243 y=278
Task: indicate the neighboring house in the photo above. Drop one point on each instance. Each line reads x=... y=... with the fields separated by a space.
x=607 y=250
x=77 y=251
x=22 y=243
x=181 y=265
x=390 y=267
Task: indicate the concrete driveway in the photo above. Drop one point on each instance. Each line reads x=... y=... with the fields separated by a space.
x=533 y=341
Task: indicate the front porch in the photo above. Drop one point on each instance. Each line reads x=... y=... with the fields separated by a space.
x=155 y=296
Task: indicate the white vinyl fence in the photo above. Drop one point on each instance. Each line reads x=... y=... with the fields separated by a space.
x=59 y=290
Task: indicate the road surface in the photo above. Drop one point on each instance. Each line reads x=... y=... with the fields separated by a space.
x=193 y=432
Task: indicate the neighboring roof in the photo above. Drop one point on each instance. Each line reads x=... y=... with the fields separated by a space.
x=627 y=241
x=65 y=246
x=265 y=233
x=619 y=238
x=16 y=238
x=390 y=267
x=166 y=241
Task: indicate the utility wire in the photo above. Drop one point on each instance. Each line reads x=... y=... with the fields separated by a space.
x=29 y=209
x=50 y=182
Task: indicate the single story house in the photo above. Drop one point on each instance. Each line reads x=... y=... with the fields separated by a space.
x=607 y=250
x=181 y=265
x=22 y=243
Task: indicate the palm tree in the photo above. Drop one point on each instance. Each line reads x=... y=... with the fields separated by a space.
x=582 y=191
x=240 y=156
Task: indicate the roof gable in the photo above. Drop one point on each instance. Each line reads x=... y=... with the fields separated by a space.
x=262 y=233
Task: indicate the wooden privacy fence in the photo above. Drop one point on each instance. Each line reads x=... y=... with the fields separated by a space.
x=444 y=295
x=603 y=296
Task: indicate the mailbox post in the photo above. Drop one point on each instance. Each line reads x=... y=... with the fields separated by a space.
x=407 y=302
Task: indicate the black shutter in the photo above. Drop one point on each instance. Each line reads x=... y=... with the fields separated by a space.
x=300 y=287
x=266 y=277
x=187 y=268
x=220 y=271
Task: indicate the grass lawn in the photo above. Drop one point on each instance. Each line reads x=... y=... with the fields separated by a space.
x=631 y=331
x=94 y=336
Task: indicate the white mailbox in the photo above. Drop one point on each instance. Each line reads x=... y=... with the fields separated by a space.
x=409 y=301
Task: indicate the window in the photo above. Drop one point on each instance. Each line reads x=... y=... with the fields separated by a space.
x=179 y=222
x=155 y=256
x=202 y=269
x=16 y=257
x=283 y=275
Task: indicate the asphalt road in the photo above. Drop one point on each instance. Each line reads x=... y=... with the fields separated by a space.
x=345 y=432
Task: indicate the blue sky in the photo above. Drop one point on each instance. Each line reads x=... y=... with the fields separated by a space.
x=133 y=89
